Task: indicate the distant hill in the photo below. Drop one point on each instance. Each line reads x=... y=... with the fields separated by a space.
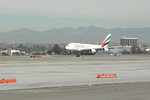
x=89 y=34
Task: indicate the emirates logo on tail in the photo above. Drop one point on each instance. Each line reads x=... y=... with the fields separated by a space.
x=105 y=43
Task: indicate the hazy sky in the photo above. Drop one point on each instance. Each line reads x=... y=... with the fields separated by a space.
x=47 y=14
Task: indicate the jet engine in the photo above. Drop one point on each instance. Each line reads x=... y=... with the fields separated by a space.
x=93 y=50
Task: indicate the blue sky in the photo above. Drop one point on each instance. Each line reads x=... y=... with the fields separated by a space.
x=47 y=14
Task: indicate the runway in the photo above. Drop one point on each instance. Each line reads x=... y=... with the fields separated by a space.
x=118 y=91
x=58 y=71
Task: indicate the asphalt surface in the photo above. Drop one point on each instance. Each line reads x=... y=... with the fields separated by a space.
x=69 y=70
x=119 y=91
x=78 y=74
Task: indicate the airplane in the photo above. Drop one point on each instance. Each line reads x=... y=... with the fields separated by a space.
x=92 y=48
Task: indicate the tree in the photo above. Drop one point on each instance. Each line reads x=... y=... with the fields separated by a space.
x=56 y=49
x=20 y=46
x=63 y=51
x=136 y=50
x=49 y=51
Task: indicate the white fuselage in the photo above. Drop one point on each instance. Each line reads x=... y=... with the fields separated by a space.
x=92 y=48
x=81 y=46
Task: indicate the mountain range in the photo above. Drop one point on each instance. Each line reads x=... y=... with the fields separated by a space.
x=90 y=34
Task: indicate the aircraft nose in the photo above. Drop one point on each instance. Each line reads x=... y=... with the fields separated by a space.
x=66 y=47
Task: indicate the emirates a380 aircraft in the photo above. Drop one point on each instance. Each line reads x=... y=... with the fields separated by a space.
x=92 y=48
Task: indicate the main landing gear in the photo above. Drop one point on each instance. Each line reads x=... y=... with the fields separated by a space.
x=77 y=55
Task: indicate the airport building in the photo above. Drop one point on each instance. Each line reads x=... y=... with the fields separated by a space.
x=11 y=52
x=128 y=41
